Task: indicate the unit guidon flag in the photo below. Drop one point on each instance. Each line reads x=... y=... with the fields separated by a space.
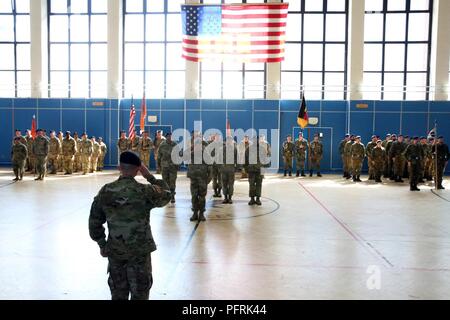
x=234 y=32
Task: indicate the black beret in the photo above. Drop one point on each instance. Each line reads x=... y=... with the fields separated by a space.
x=129 y=157
x=38 y=130
x=75 y=132
x=16 y=138
x=415 y=138
x=379 y=141
x=441 y=137
x=84 y=134
x=17 y=130
x=400 y=135
x=168 y=133
x=406 y=137
x=68 y=132
x=422 y=137
x=347 y=135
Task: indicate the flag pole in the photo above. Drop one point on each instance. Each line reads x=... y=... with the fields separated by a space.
x=435 y=156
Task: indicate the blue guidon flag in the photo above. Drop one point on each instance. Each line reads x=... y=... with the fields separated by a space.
x=234 y=32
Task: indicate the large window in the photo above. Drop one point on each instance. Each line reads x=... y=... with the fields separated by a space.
x=229 y=80
x=152 y=49
x=15 y=48
x=316 y=50
x=397 y=49
x=77 y=48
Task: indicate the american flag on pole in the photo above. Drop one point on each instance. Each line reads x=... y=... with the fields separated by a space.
x=131 y=132
x=234 y=32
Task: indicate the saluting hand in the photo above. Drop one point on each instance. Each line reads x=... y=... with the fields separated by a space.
x=145 y=172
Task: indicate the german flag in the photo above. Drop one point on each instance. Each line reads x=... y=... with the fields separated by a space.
x=302 y=117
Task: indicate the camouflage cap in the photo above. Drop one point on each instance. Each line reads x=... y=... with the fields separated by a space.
x=358 y=137
x=388 y=135
x=129 y=157
x=374 y=137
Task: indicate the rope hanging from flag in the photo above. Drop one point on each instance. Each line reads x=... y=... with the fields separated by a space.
x=131 y=133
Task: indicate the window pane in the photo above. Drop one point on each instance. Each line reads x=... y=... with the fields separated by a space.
x=254 y=85
x=334 y=57
x=313 y=5
x=393 y=86
x=373 y=27
x=211 y=84
x=334 y=86
x=254 y=66
x=155 y=84
x=336 y=5
x=78 y=6
x=417 y=57
x=232 y=85
x=374 y=5
x=99 y=6
x=58 y=6
x=419 y=4
x=211 y=65
x=7 y=60
x=5 y=7
x=23 y=57
x=6 y=28
x=134 y=5
x=134 y=27
x=7 y=87
x=416 y=86
x=292 y=57
x=312 y=57
x=335 y=27
x=98 y=84
x=173 y=27
x=372 y=86
x=290 y=85
x=395 y=26
x=373 y=56
x=394 y=5
x=418 y=27
x=59 y=56
x=23 y=84
x=232 y=66
x=294 y=27
x=133 y=83
x=294 y=5
x=79 y=28
x=79 y=84
x=394 y=57
x=79 y=57
x=59 y=84
x=174 y=59
x=134 y=56
x=175 y=84
x=312 y=84
x=99 y=59
x=155 y=5
x=314 y=31
x=59 y=29
x=155 y=56
x=22 y=28
x=99 y=28
x=174 y=5
x=156 y=27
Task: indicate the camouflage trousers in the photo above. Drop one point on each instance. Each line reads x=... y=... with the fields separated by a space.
x=199 y=188
x=94 y=161
x=227 y=175
x=399 y=165
x=377 y=167
x=356 y=166
x=315 y=163
x=348 y=164
x=300 y=163
x=31 y=162
x=369 y=164
x=440 y=172
x=414 y=172
x=41 y=164
x=77 y=162
x=132 y=276
x=85 y=161
x=68 y=163
x=101 y=162
x=169 y=175
x=60 y=163
x=158 y=168
x=52 y=163
x=287 y=162
x=145 y=158
x=255 y=179
x=18 y=168
x=216 y=177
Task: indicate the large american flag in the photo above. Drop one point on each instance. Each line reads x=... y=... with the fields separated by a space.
x=131 y=132
x=234 y=32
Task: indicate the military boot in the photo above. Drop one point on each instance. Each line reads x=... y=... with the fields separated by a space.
x=201 y=216
x=318 y=174
x=172 y=198
x=252 y=201
x=194 y=216
x=354 y=178
x=310 y=173
x=285 y=173
x=16 y=178
x=258 y=201
x=225 y=201
x=229 y=200
x=303 y=173
x=290 y=173
x=358 y=178
x=298 y=173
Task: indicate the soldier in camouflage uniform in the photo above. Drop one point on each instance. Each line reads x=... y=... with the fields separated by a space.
x=101 y=158
x=390 y=161
x=341 y=152
x=386 y=163
x=125 y=206
x=96 y=152
x=158 y=140
x=31 y=162
x=53 y=153
x=396 y=153
x=287 y=150
x=18 y=134
x=135 y=144
x=145 y=146
x=369 y=148
x=426 y=154
x=200 y=174
x=301 y=146
x=414 y=155
x=358 y=152
x=77 y=157
x=228 y=168
x=69 y=150
x=169 y=169
x=242 y=147
x=315 y=155
x=216 y=177
x=123 y=144
x=348 y=156
x=441 y=151
x=40 y=150
x=378 y=159
x=86 y=149
x=255 y=160
x=19 y=154
x=60 y=156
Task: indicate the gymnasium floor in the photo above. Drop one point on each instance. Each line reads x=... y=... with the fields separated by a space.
x=313 y=238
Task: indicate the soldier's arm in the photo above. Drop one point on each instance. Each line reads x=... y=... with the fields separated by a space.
x=97 y=219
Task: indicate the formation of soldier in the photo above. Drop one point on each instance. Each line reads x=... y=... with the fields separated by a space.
x=395 y=158
x=56 y=153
